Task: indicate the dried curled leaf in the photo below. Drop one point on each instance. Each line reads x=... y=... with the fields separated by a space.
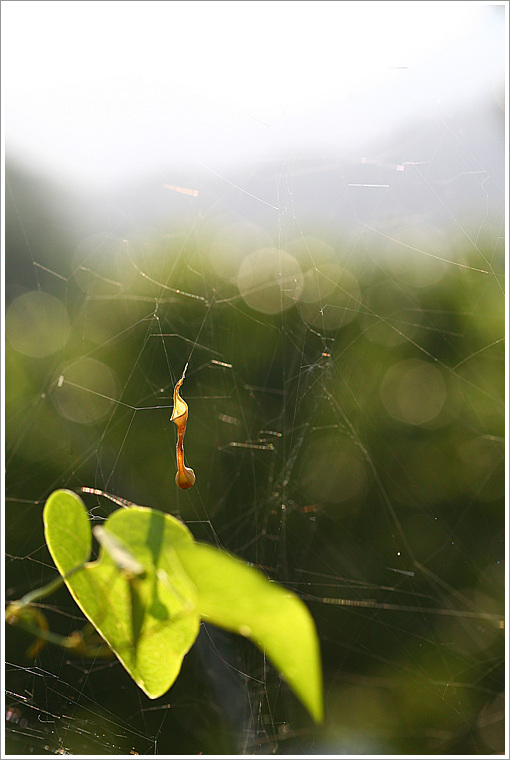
x=185 y=476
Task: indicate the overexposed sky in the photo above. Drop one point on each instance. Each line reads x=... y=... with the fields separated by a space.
x=100 y=91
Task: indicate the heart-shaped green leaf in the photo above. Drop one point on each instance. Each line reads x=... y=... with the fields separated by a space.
x=149 y=620
x=235 y=596
x=152 y=583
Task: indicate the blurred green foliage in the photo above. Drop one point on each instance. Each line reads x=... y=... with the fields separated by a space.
x=304 y=465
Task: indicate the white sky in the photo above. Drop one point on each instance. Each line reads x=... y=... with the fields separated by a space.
x=104 y=90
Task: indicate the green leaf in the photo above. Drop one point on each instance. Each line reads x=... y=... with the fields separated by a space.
x=149 y=621
x=67 y=530
x=235 y=596
x=152 y=583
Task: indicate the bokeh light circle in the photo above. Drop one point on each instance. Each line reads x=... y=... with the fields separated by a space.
x=413 y=391
x=37 y=324
x=85 y=391
x=334 y=471
x=270 y=280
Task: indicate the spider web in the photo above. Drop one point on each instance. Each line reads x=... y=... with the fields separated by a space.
x=342 y=323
